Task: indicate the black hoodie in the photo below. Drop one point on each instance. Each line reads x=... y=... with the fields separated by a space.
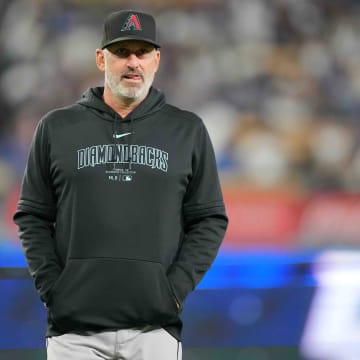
x=119 y=218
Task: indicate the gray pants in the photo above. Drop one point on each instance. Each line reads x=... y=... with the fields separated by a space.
x=149 y=343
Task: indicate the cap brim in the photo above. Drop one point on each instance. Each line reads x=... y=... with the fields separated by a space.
x=138 y=38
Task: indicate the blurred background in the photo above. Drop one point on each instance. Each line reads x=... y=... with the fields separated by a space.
x=277 y=83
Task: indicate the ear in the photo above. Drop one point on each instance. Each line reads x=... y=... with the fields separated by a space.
x=157 y=59
x=100 y=59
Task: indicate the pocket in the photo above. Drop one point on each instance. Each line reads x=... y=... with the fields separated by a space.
x=111 y=293
x=172 y=294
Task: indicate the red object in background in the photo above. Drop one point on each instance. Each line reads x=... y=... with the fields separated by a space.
x=273 y=219
x=331 y=218
x=262 y=218
x=10 y=207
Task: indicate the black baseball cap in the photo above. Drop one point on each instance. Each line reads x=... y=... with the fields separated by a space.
x=129 y=25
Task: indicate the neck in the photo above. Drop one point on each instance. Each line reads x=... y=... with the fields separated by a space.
x=123 y=106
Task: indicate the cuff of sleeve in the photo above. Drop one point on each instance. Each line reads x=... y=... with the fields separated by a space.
x=45 y=288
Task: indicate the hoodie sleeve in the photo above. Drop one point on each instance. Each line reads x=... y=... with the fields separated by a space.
x=205 y=221
x=35 y=215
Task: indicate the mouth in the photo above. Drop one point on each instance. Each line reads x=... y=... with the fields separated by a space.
x=133 y=77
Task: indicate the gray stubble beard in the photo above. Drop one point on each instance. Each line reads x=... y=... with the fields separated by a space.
x=113 y=81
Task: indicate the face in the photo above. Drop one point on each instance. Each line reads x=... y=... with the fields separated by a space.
x=129 y=67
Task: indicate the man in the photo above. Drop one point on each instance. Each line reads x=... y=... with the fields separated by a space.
x=121 y=212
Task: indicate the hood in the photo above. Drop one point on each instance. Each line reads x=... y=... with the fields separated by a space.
x=92 y=99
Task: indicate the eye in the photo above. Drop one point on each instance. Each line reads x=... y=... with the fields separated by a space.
x=142 y=52
x=121 y=52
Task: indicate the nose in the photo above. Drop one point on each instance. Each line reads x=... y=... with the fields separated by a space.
x=132 y=61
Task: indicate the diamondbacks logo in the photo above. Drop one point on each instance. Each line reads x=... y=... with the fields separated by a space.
x=122 y=157
x=132 y=23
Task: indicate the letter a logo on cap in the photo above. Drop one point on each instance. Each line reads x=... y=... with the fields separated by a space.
x=132 y=23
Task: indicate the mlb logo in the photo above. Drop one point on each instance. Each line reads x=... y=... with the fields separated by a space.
x=126 y=178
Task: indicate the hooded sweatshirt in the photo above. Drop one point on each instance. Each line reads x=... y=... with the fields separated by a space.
x=119 y=218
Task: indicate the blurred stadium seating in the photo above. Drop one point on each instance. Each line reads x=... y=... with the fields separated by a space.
x=277 y=83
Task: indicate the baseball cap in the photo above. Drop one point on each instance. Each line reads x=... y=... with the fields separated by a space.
x=129 y=25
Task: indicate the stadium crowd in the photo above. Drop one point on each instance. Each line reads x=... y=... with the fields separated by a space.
x=277 y=82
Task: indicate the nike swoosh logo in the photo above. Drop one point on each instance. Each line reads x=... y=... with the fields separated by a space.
x=118 y=136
